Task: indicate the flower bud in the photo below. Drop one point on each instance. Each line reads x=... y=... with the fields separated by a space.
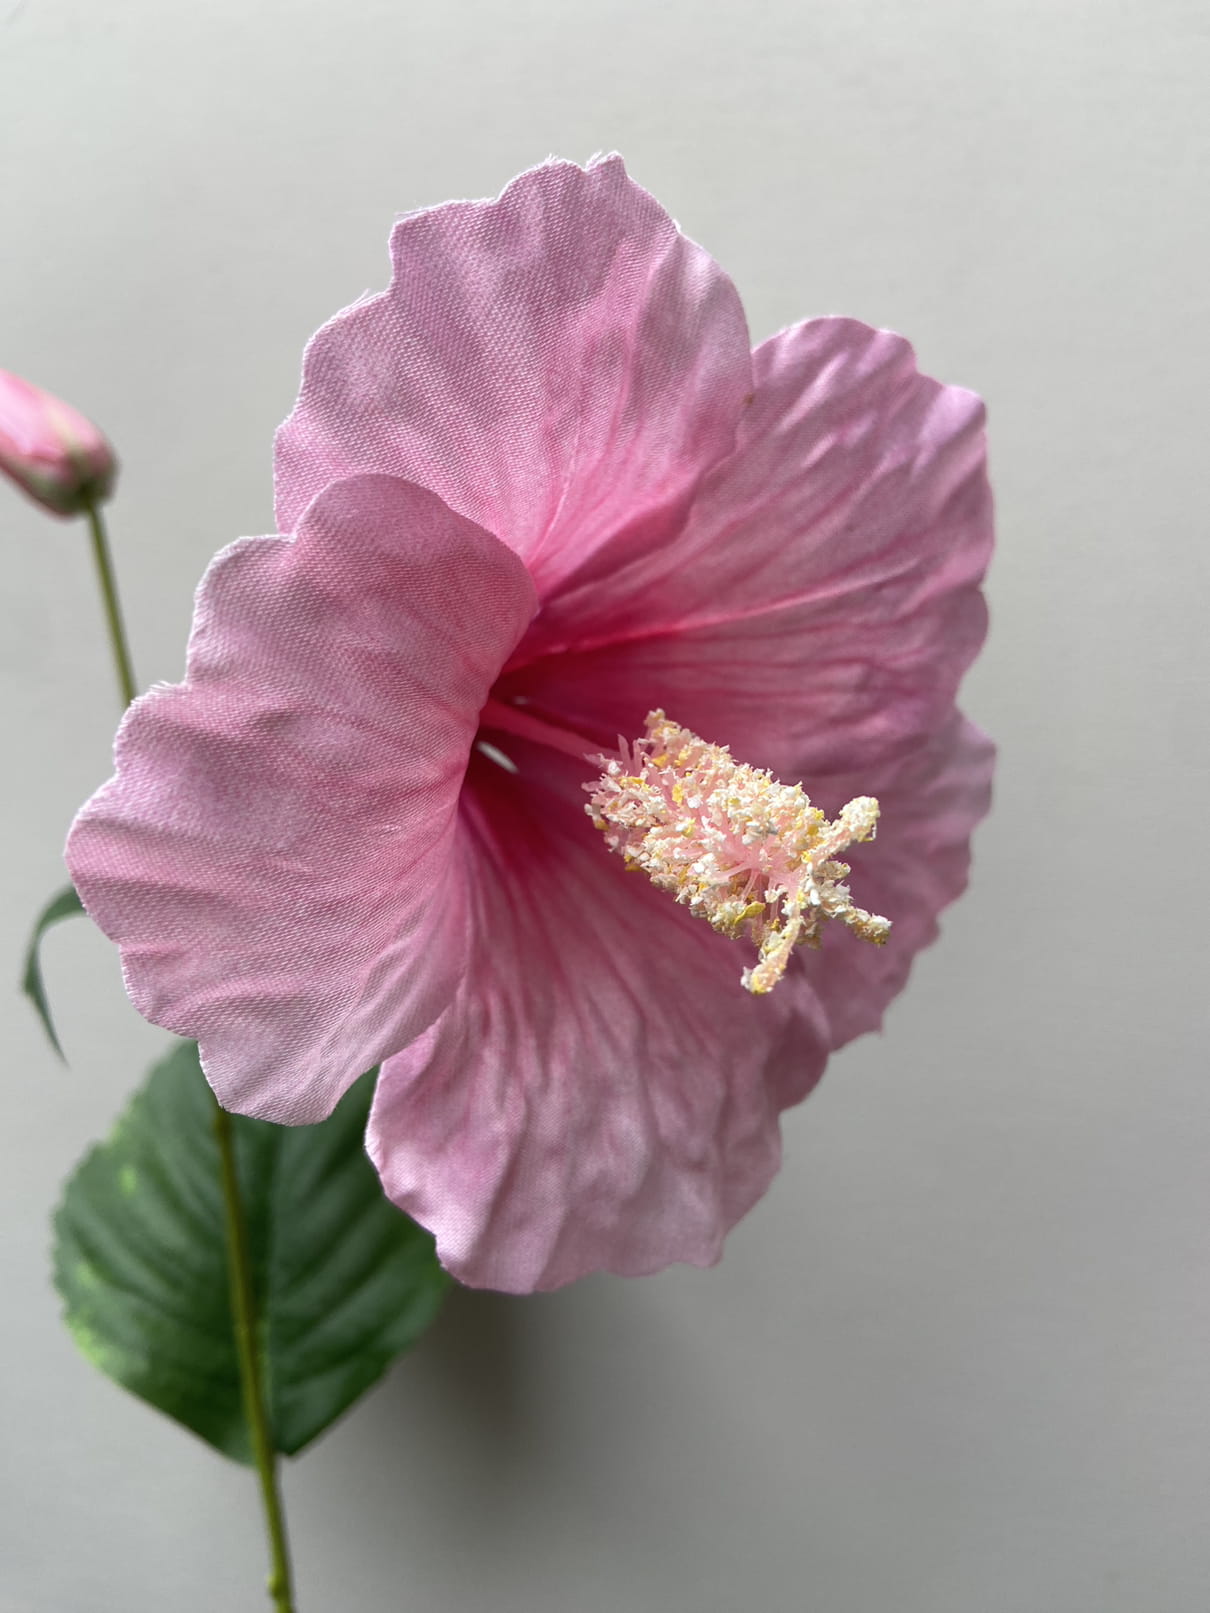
x=50 y=450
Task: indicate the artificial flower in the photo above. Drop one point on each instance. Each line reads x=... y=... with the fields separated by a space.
x=50 y=450
x=533 y=494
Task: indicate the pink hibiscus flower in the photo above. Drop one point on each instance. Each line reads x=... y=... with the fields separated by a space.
x=537 y=490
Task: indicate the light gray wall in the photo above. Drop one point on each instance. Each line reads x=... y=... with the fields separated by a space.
x=957 y=1362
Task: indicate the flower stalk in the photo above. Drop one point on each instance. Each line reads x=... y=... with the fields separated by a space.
x=107 y=582
x=239 y=1263
x=243 y=1314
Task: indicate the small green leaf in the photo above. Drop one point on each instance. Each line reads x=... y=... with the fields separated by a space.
x=344 y=1281
x=63 y=906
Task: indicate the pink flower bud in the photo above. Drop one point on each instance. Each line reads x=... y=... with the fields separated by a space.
x=50 y=450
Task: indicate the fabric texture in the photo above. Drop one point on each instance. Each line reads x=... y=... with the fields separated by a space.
x=534 y=490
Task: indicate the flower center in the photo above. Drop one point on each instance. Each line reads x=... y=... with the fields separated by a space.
x=737 y=848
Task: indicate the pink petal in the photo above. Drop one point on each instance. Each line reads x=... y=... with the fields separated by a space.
x=275 y=853
x=601 y=1093
x=915 y=868
x=817 y=615
x=558 y=365
x=821 y=604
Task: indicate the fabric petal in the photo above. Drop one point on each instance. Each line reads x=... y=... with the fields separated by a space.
x=822 y=602
x=918 y=864
x=275 y=853
x=601 y=1093
x=558 y=365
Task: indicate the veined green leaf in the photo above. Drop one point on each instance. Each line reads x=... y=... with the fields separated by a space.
x=344 y=1281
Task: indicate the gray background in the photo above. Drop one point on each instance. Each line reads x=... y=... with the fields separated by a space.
x=957 y=1361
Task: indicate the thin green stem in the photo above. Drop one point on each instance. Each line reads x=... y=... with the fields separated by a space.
x=113 y=610
x=239 y=1263
x=243 y=1311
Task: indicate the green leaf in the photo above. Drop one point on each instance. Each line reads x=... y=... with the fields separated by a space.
x=344 y=1281
x=63 y=906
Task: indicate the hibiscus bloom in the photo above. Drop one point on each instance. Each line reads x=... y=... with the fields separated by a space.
x=537 y=490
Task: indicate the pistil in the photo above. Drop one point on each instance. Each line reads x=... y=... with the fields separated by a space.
x=509 y=719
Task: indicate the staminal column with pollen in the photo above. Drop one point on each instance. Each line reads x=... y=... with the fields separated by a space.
x=750 y=855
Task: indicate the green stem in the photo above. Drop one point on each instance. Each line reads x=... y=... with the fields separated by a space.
x=239 y=1263
x=113 y=609
x=243 y=1310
